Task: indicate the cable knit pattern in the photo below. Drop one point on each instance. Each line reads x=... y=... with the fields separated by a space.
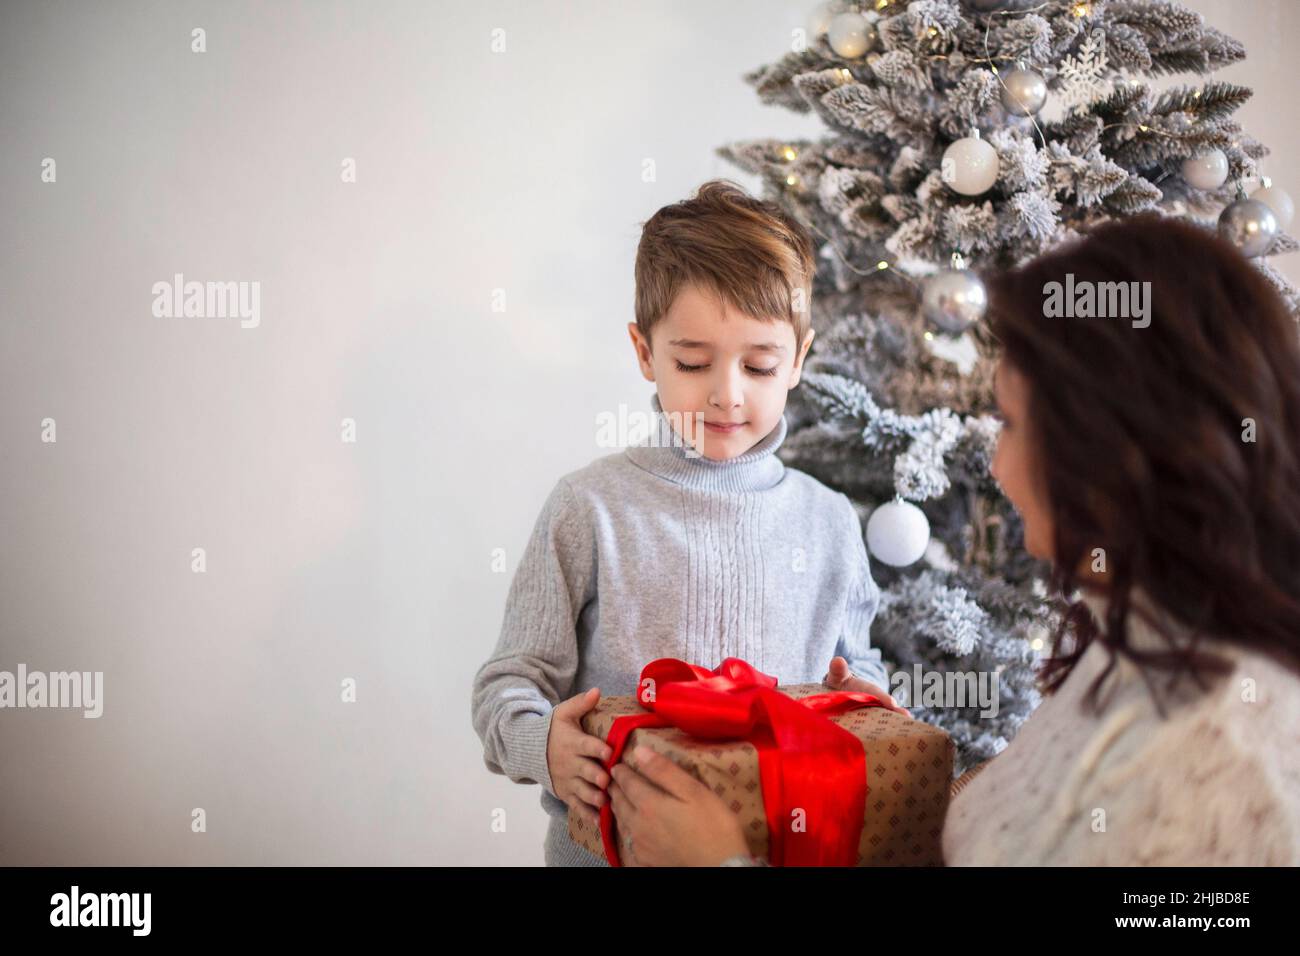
x=1215 y=783
x=651 y=553
x=722 y=608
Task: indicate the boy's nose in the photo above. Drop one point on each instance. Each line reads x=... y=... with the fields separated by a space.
x=726 y=391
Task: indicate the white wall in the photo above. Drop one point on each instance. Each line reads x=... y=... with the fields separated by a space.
x=325 y=560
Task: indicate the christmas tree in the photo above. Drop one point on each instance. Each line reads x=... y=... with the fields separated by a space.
x=941 y=162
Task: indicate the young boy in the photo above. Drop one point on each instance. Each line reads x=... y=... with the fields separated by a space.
x=699 y=544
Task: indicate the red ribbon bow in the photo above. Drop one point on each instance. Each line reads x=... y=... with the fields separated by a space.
x=806 y=763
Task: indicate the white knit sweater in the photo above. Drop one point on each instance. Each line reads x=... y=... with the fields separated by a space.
x=1217 y=782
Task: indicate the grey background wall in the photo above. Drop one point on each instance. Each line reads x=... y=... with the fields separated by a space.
x=326 y=560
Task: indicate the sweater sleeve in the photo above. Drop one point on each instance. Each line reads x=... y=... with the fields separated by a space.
x=536 y=657
x=863 y=601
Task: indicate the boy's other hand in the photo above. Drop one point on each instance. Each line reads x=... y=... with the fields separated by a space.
x=838 y=677
x=574 y=757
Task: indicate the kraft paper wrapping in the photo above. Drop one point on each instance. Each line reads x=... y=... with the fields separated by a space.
x=909 y=776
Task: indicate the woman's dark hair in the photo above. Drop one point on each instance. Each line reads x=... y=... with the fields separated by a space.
x=1144 y=432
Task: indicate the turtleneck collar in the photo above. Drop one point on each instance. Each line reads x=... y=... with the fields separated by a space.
x=665 y=455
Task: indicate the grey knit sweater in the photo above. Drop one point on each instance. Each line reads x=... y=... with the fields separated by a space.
x=651 y=553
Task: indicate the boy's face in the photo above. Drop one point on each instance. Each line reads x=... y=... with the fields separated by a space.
x=736 y=371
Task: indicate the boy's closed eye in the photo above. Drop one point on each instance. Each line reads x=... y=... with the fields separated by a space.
x=683 y=367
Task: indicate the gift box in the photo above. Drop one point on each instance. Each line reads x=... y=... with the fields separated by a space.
x=906 y=763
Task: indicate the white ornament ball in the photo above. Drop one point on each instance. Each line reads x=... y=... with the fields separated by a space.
x=970 y=166
x=1208 y=170
x=1023 y=92
x=1249 y=225
x=898 y=533
x=819 y=21
x=850 y=35
x=1279 y=201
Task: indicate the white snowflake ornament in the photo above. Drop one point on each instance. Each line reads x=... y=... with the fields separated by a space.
x=1082 y=78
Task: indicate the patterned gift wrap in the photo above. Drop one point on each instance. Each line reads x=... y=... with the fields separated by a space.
x=909 y=777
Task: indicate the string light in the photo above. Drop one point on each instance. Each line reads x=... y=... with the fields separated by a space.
x=789 y=153
x=1140 y=126
x=1082 y=10
x=988 y=26
x=881 y=266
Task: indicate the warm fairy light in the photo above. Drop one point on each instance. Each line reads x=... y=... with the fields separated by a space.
x=1143 y=128
x=789 y=153
x=881 y=4
x=1036 y=643
x=933 y=32
x=882 y=264
x=792 y=180
x=929 y=336
x=845 y=75
x=1082 y=9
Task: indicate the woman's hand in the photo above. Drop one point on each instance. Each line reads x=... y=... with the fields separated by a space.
x=671 y=818
x=839 y=678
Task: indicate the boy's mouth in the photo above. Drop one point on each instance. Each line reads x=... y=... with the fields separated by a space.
x=724 y=428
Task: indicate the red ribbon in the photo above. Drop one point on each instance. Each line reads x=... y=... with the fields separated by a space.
x=805 y=762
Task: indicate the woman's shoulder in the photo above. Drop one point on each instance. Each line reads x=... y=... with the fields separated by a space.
x=1215 y=782
x=1212 y=774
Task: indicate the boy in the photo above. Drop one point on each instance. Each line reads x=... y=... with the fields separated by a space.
x=700 y=544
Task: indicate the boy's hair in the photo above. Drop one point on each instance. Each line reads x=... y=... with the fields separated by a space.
x=750 y=252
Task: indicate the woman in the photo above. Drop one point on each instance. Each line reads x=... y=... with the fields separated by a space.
x=1155 y=462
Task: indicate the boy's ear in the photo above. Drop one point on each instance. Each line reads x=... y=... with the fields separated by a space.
x=798 y=359
x=643 y=356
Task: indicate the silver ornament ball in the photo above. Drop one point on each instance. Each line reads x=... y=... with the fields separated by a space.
x=952 y=300
x=1249 y=225
x=1024 y=92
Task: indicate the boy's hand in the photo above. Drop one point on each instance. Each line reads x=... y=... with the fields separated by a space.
x=574 y=757
x=839 y=678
